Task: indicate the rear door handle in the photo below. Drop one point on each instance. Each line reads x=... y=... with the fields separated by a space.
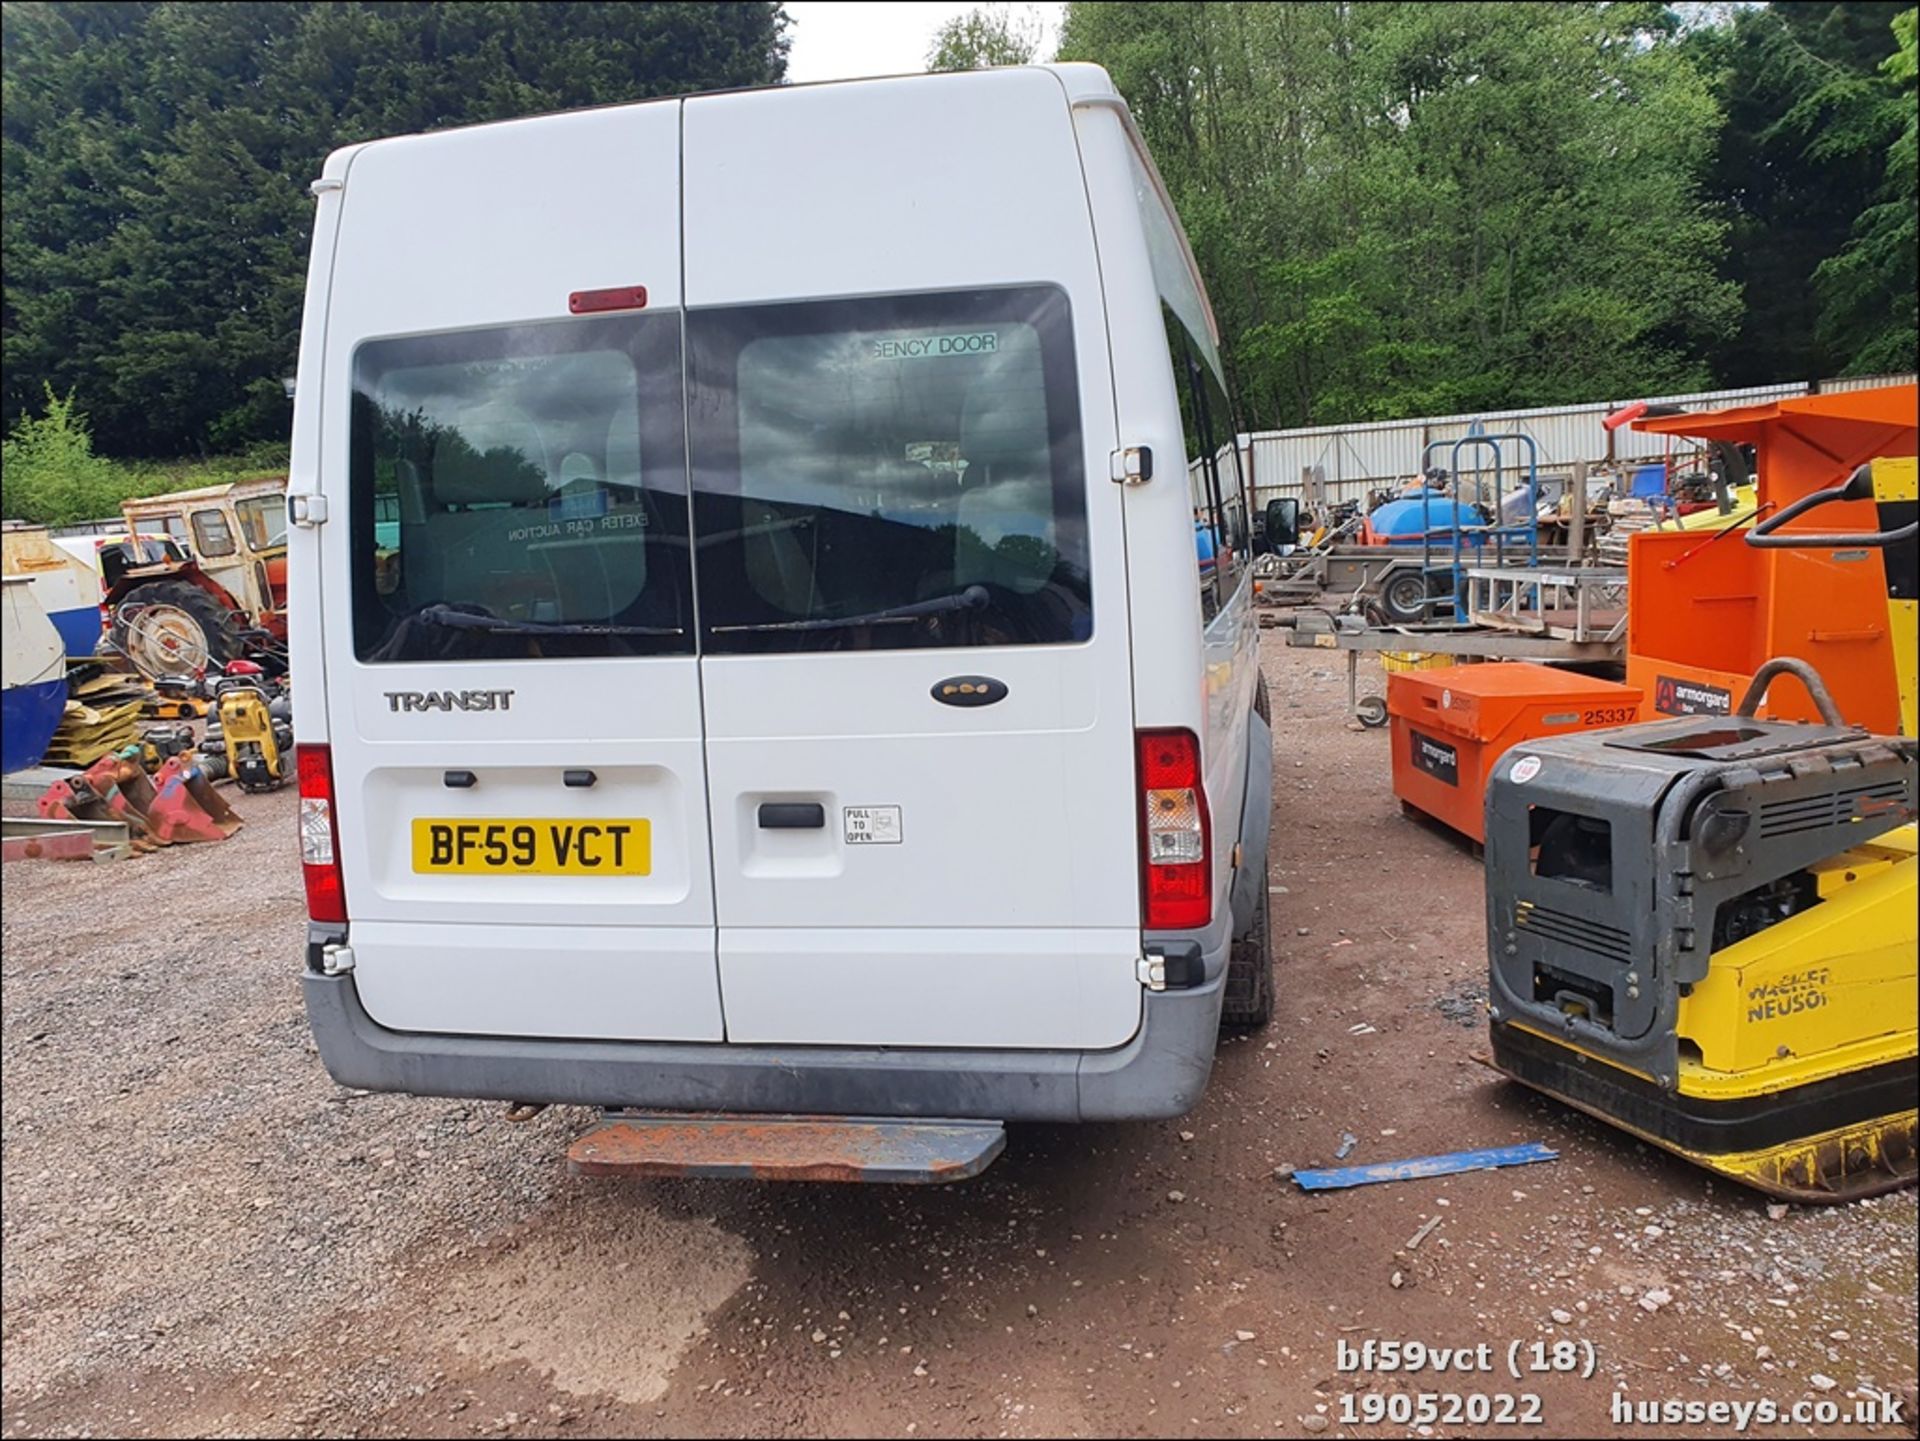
x=792 y=816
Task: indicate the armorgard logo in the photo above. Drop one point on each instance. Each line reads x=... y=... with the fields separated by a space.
x=1690 y=697
x=1436 y=758
x=411 y=700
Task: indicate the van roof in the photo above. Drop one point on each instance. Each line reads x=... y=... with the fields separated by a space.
x=1084 y=84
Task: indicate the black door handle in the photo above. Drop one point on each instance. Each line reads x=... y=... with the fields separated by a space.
x=579 y=778
x=792 y=816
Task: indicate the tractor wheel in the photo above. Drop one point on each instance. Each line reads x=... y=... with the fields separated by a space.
x=174 y=628
x=1404 y=597
x=1248 y=1004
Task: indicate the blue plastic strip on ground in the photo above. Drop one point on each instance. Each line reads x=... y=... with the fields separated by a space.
x=1421 y=1166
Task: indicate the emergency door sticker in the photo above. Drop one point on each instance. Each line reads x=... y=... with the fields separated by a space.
x=1436 y=758
x=922 y=347
x=1524 y=770
x=1690 y=697
x=872 y=825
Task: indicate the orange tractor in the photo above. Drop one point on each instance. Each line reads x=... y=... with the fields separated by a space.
x=200 y=578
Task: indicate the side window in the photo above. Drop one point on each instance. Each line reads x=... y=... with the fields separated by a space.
x=263 y=521
x=173 y=526
x=1222 y=539
x=521 y=493
x=1222 y=535
x=889 y=473
x=211 y=534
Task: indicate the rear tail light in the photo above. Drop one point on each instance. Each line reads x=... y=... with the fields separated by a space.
x=1175 y=832
x=320 y=835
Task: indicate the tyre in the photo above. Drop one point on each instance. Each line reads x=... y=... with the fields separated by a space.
x=1404 y=596
x=1248 y=1004
x=1261 y=706
x=172 y=627
x=1371 y=711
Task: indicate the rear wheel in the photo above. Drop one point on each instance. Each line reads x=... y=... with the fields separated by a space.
x=1404 y=597
x=1249 y=997
x=174 y=628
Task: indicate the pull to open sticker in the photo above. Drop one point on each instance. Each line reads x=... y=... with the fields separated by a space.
x=872 y=825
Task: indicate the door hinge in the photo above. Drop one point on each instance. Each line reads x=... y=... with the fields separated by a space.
x=336 y=960
x=1152 y=971
x=1131 y=465
x=306 y=510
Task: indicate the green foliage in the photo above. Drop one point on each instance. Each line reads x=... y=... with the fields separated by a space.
x=49 y=473
x=1870 y=288
x=1406 y=209
x=1799 y=171
x=986 y=36
x=155 y=159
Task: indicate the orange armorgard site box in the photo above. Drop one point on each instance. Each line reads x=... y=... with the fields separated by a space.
x=1451 y=725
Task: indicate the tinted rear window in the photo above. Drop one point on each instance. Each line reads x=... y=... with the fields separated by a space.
x=889 y=473
x=521 y=492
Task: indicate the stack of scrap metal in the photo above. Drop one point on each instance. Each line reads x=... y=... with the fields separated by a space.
x=102 y=716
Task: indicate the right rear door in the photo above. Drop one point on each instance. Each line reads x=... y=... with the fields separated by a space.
x=910 y=563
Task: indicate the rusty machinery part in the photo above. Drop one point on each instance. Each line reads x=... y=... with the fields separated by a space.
x=519 y=1112
x=187 y=808
x=167 y=627
x=76 y=800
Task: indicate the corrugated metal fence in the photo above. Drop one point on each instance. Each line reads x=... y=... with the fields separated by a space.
x=1355 y=459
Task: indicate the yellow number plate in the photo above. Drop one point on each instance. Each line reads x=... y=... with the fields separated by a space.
x=527 y=847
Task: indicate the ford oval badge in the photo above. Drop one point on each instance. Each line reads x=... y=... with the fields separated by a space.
x=969 y=690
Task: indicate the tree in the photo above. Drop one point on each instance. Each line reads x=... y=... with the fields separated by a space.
x=986 y=36
x=1406 y=209
x=1809 y=120
x=1870 y=311
x=156 y=157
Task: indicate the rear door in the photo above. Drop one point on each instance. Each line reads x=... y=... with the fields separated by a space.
x=911 y=574
x=512 y=689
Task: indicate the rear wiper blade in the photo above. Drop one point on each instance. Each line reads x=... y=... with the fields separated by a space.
x=974 y=597
x=472 y=620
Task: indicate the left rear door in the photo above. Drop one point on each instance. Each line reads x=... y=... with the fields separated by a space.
x=513 y=696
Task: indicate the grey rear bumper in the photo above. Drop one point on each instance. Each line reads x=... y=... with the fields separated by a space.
x=1160 y=1073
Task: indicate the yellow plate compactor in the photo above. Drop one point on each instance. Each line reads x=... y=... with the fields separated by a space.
x=1702 y=930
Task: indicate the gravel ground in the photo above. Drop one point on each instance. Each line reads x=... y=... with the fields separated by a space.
x=203 y=1235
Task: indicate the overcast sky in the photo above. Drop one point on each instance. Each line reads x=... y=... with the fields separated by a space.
x=841 y=39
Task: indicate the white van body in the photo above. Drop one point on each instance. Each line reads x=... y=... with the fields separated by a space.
x=903 y=354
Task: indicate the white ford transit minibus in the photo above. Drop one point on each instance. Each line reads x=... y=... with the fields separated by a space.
x=751 y=650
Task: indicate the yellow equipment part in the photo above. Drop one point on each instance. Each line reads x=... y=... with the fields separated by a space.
x=1820 y=997
x=248 y=725
x=1827 y=992
x=1746 y=499
x=1896 y=483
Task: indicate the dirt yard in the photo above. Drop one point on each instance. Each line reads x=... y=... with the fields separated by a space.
x=204 y=1236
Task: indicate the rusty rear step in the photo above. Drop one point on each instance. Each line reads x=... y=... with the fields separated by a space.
x=787 y=1148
